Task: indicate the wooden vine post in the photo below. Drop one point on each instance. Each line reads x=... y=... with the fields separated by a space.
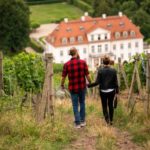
x=45 y=107
x=122 y=72
x=119 y=72
x=1 y=73
x=148 y=85
x=135 y=77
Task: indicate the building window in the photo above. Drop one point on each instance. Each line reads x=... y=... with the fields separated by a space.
x=114 y=57
x=61 y=53
x=122 y=56
x=72 y=39
x=99 y=37
x=129 y=45
x=106 y=47
x=121 y=46
x=136 y=44
x=114 y=47
x=64 y=41
x=132 y=33
x=93 y=49
x=99 y=48
x=80 y=39
x=125 y=34
x=117 y=35
x=106 y=37
x=92 y=37
x=129 y=55
x=84 y=50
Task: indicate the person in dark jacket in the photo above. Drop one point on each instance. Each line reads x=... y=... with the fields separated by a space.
x=108 y=87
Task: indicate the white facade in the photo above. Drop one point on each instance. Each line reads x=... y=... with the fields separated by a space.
x=124 y=49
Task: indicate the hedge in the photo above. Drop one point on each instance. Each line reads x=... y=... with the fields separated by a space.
x=36 y=2
x=36 y=46
x=83 y=5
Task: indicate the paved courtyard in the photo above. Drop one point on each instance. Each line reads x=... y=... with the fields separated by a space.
x=43 y=30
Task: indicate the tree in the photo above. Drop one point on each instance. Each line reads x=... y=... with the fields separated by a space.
x=142 y=18
x=101 y=7
x=14 y=25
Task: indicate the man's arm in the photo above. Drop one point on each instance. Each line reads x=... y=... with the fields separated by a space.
x=62 y=82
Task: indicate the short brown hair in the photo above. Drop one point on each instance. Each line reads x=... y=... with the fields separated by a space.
x=106 y=60
x=73 y=51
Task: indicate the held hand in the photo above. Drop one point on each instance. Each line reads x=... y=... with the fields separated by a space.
x=62 y=87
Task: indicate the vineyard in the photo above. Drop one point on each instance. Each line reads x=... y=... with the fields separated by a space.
x=25 y=76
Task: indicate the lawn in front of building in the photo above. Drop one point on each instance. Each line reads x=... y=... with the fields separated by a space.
x=47 y=13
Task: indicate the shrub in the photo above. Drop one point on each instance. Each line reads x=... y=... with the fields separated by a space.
x=36 y=46
x=23 y=70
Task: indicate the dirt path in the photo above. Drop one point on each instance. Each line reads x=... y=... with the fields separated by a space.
x=85 y=142
x=124 y=141
x=88 y=142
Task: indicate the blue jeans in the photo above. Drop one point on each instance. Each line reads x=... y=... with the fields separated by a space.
x=78 y=99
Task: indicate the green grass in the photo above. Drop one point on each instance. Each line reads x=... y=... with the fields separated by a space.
x=47 y=13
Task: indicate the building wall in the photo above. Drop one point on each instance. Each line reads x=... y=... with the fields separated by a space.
x=124 y=49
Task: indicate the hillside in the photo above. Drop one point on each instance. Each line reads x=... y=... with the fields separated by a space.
x=47 y=13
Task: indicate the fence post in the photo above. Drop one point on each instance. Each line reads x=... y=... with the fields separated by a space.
x=130 y=100
x=46 y=102
x=148 y=84
x=49 y=58
x=119 y=72
x=1 y=73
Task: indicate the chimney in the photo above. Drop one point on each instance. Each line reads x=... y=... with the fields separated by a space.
x=104 y=16
x=120 y=14
x=86 y=14
x=66 y=20
x=82 y=18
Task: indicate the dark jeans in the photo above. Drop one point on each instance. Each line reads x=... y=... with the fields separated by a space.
x=78 y=99
x=107 y=105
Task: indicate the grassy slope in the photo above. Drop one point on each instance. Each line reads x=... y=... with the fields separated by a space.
x=47 y=13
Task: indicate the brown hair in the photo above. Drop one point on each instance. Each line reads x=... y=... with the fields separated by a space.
x=73 y=51
x=111 y=62
x=106 y=60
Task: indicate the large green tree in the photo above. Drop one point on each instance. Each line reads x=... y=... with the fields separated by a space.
x=14 y=25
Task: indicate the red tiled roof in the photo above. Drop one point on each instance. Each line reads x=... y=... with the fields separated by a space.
x=77 y=28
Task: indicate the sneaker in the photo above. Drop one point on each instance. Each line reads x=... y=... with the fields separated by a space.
x=77 y=126
x=83 y=124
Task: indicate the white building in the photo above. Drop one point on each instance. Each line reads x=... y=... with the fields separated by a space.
x=116 y=36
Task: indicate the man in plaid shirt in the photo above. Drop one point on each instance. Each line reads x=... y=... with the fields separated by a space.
x=77 y=72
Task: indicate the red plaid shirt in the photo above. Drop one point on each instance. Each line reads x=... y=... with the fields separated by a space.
x=77 y=70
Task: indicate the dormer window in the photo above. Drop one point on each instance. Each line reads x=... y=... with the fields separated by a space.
x=68 y=29
x=117 y=35
x=132 y=33
x=64 y=41
x=109 y=25
x=121 y=24
x=81 y=28
x=125 y=34
x=72 y=39
x=80 y=39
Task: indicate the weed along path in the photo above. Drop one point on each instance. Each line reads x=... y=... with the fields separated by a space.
x=97 y=135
